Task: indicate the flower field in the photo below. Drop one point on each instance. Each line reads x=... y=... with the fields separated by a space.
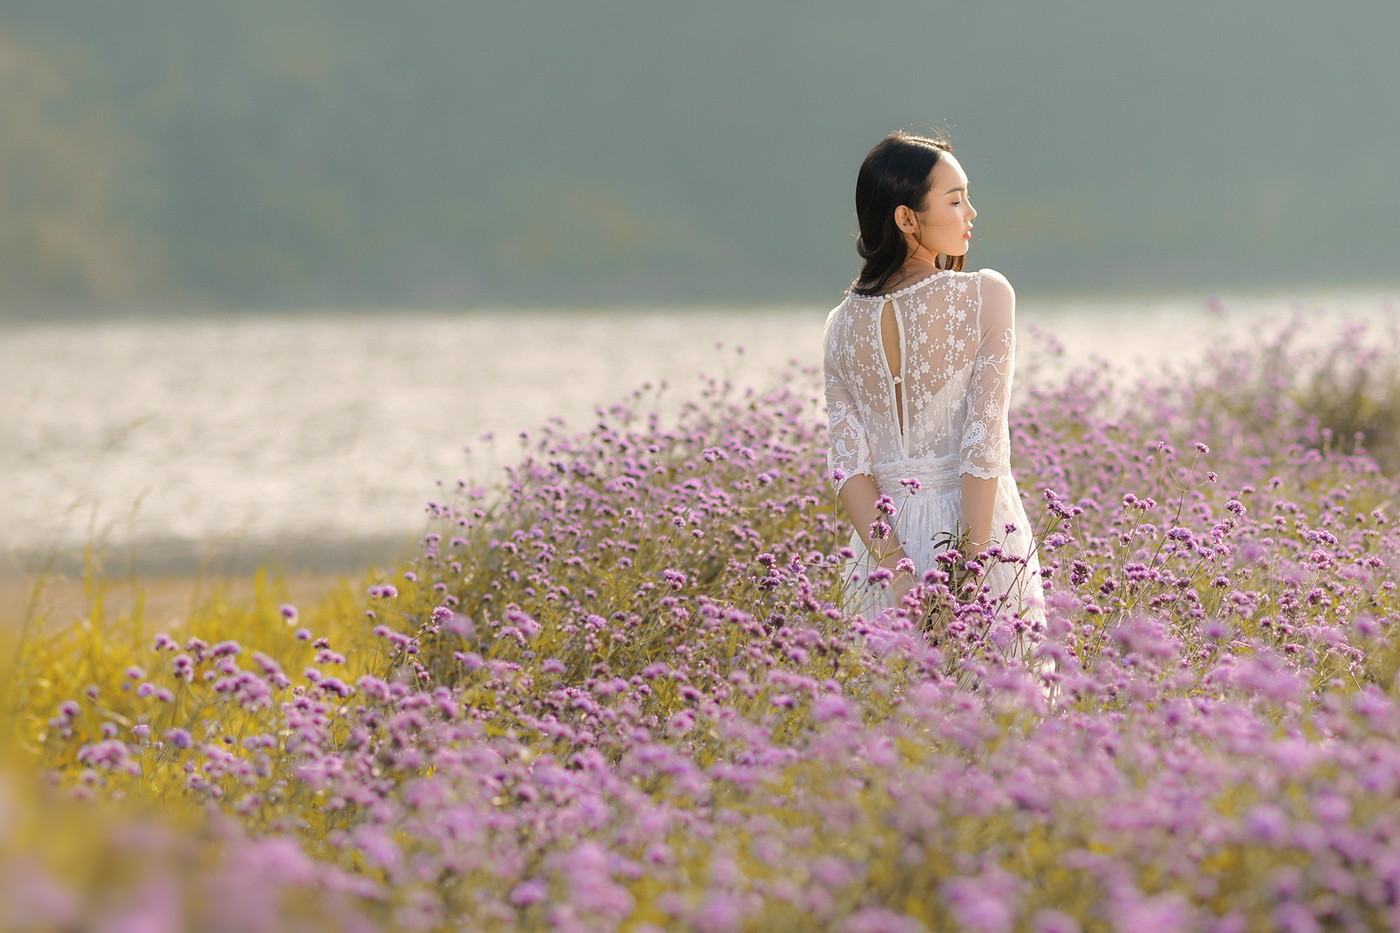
x=616 y=691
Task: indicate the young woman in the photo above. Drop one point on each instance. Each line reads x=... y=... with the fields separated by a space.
x=918 y=364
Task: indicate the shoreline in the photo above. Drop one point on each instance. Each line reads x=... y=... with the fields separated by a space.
x=170 y=577
x=179 y=557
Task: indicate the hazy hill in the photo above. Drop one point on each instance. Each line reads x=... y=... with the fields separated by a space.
x=310 y=152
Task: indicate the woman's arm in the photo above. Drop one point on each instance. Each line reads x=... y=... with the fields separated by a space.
x=858 y=496
x=979 y=497
x=986 y=441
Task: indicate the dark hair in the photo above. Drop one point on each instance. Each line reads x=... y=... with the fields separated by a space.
x=895 y=172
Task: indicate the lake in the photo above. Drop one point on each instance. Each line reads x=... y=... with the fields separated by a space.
x=317 y=438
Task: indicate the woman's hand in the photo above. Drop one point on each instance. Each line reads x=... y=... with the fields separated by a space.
x=967 y=570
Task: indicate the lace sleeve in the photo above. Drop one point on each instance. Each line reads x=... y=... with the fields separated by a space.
x=849 y=451
x=986 y=440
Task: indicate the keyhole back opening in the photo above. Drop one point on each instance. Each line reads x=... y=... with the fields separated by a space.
x=890 y=334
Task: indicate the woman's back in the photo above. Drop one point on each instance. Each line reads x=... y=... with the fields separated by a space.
x=922 y=373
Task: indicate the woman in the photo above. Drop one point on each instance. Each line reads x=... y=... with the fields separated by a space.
x=918 y=365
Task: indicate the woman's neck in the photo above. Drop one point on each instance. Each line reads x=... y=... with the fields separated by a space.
x=911 y=271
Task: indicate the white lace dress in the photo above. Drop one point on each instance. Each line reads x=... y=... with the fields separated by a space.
x=957 y=347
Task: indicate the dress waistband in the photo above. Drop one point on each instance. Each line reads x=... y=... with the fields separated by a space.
x=936 y=475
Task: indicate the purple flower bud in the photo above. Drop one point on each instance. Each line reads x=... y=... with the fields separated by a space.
x=530 y=891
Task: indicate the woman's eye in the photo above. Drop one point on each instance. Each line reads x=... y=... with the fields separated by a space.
x=956 y=203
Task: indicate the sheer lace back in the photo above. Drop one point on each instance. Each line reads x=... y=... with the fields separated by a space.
x=947 y=397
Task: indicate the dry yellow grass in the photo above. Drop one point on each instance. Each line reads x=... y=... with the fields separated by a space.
x=60 y=600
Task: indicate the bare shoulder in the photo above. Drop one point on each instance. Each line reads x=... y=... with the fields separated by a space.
x=998 y=299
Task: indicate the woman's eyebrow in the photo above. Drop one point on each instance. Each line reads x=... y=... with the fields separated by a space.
x=958 y=188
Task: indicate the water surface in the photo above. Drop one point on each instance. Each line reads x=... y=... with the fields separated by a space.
x=323 y=435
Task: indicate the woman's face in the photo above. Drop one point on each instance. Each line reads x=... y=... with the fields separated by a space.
x=945 y=223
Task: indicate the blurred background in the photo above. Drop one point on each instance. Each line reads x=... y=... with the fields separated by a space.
x=289 y=153
x=266 y=266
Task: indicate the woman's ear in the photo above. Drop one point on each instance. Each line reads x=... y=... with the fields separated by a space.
x=904 y=219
